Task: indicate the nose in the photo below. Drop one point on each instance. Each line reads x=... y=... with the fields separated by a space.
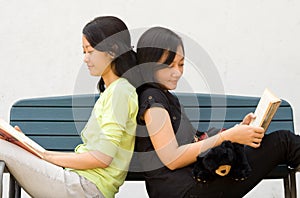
x=177 y=72
x=85 y=58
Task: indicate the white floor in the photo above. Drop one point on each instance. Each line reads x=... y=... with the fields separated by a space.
x=266 y=189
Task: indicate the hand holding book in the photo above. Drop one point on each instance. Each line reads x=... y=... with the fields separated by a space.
x=15 y=136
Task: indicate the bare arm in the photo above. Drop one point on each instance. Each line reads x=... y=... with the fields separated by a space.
x=174 y=156
x=87 y=160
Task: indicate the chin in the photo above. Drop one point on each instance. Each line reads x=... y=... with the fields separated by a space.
x=171 y=87
x=168 y=86
x=94 y=74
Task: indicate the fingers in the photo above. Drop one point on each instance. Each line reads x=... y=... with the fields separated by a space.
x=249 y=135
x=255 y=136
x=18 y=128
x=254 y=145
x=251 y=115
x=256 y=140
x=259 y=130
x=248 y=118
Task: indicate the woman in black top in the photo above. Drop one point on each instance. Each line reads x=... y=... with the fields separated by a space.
x=165 y=134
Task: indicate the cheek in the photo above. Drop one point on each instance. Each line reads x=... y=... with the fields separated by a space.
x=99 y=60
x=92 y=59
x=160 y=75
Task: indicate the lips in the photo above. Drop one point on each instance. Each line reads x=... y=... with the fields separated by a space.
x=174 y=81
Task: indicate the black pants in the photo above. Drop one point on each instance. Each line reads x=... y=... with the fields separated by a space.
x=280 y=147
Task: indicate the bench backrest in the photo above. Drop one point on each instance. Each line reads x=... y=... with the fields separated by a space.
x=56 y=122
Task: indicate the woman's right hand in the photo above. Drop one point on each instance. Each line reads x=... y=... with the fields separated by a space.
x=245 y=134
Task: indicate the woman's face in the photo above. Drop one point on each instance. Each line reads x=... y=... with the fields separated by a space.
x=169 y=76
x=98 y=62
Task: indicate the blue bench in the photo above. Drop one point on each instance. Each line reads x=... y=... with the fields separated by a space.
x=56 y=122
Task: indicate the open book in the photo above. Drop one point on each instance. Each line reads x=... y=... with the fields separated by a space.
x=266 y=109
x=10 y=134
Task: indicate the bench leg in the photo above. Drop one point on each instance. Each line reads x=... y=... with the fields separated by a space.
x=290 y=189
x=287 y=189
x=14 y=188
x=293 y=189
x=2 y=166
x=18 y=191
x=11 y=186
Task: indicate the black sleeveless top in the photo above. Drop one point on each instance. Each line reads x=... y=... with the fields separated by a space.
x=161 y=181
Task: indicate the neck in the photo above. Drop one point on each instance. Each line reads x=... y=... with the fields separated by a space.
x=109 y=78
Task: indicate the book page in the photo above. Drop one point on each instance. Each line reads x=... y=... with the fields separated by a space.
x=260 y=110
x=266 y=109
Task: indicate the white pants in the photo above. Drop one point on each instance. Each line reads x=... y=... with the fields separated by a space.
x=41 y=179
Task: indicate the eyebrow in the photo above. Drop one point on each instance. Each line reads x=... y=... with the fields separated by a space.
x=86 y=46
x=182 y=59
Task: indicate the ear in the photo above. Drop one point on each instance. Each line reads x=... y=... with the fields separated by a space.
x=223 y=170
x=111 y=54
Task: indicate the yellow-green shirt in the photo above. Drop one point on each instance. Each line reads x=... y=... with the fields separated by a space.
x=111 y=130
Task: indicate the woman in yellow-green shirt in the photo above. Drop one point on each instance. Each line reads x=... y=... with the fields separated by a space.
x=99 y=165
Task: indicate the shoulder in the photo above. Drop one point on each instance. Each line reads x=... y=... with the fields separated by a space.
x=123 y=86
x=151 y=96
x=120 y=89
x=148 y=92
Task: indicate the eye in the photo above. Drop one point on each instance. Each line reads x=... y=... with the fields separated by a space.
x=89 y=52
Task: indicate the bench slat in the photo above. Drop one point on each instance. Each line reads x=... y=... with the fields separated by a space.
x=74 y=128
x=58 y=143
x=47 y=128
x=82 y=114
x=68 y=143
x=85 y=100
x=47 y=113
x=187 y=99
x=215 y=100
x=231 y=114
x=275 y=125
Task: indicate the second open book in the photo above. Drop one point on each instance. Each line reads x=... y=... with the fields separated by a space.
x=266 y=109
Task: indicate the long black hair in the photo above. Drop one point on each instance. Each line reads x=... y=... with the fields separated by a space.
x=110 y=34
x=152 y=45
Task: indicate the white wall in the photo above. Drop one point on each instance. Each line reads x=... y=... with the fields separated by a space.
x=253 y=45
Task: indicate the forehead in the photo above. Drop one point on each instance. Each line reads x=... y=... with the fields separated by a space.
x=178 y=56
x=179 y=52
